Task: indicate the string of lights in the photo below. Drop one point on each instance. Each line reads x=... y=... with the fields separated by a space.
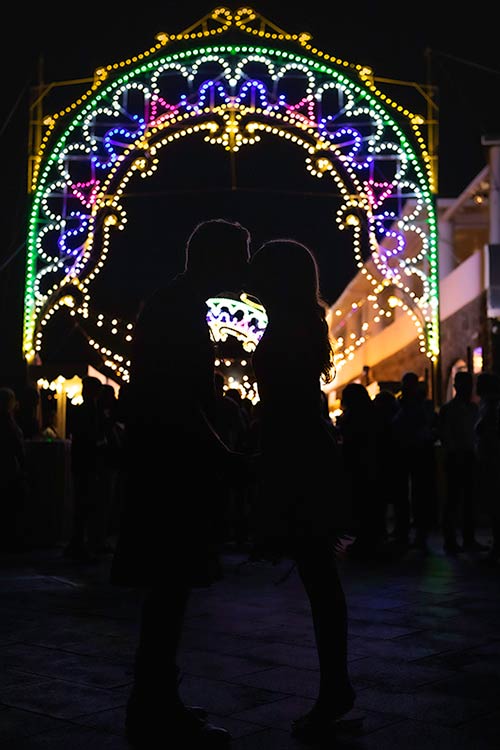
x=232 y=96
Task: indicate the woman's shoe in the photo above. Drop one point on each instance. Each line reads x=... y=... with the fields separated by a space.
x=320 y=723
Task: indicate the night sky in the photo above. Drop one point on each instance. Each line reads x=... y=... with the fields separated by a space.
x=270 y=195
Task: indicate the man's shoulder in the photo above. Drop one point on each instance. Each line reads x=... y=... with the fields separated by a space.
x=164 y=294
x=458 y=405
x=156 y=307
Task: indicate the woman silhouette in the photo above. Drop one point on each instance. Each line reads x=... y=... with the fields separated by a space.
x=300 y=460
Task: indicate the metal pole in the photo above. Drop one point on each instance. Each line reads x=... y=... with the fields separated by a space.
x=494 y=194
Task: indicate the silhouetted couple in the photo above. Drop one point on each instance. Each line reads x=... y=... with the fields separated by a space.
x=176 y=462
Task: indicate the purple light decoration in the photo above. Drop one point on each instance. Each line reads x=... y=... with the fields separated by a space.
x=349 y=138
x=64 y=249
x=250 y=87
x=207 y=89
x=118 y=137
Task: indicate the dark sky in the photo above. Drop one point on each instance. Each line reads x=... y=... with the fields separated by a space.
x=458 y=55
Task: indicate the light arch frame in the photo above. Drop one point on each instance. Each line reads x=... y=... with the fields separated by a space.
x=233 y=110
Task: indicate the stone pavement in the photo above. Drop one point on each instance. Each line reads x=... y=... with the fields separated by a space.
x=424 y=637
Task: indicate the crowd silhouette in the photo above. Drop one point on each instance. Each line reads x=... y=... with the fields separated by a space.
x=457 y=420
x=358 y=432
x=13 y=475
x=93 y=462
x=164 y=485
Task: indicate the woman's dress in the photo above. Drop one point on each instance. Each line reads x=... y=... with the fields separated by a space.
x=300 y=488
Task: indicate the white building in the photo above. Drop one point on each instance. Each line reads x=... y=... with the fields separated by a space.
x=469 y=307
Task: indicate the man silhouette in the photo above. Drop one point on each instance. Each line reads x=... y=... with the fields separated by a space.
x=457 y=420
x=175 y=460
x=415 y=430
x=87 y=468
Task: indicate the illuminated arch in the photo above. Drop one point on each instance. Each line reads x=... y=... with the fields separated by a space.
x=231 y=93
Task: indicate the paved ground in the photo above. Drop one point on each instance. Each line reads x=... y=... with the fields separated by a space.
x=424 y=654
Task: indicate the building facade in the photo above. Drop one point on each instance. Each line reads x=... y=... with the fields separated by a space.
x=469 y=306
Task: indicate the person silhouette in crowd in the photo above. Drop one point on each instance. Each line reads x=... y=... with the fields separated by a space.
x=49 y=425
x=230 y=419
x=357 y=426
x=176 y=461
x=13 y=474
x=231 y=423
x=88 y=441
x=299 y=460
x=244 y=492
x=121 y=412
x=385 y=406
x=331 y=425
x=111 y=464
x=456 y=424
x=415 y=433
x=28 y=412
x=487 y=441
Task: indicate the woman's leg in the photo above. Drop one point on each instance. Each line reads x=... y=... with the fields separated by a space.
x=318 y=571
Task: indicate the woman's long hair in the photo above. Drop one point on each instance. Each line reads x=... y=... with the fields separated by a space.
x=284 y=273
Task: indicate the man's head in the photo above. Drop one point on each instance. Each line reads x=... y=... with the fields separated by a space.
x=409 y=384
x=464 y=384
x=488 y=385
x=217 y=255
x=91 y=388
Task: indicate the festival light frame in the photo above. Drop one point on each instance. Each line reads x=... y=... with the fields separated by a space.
x=350 y=132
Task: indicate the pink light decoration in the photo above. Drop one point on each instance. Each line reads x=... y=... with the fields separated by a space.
x=86 y=192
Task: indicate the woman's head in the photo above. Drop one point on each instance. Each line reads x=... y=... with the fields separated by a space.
x=217 y=255
x=355 y=397
x=284 y=272
x=283 y=275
